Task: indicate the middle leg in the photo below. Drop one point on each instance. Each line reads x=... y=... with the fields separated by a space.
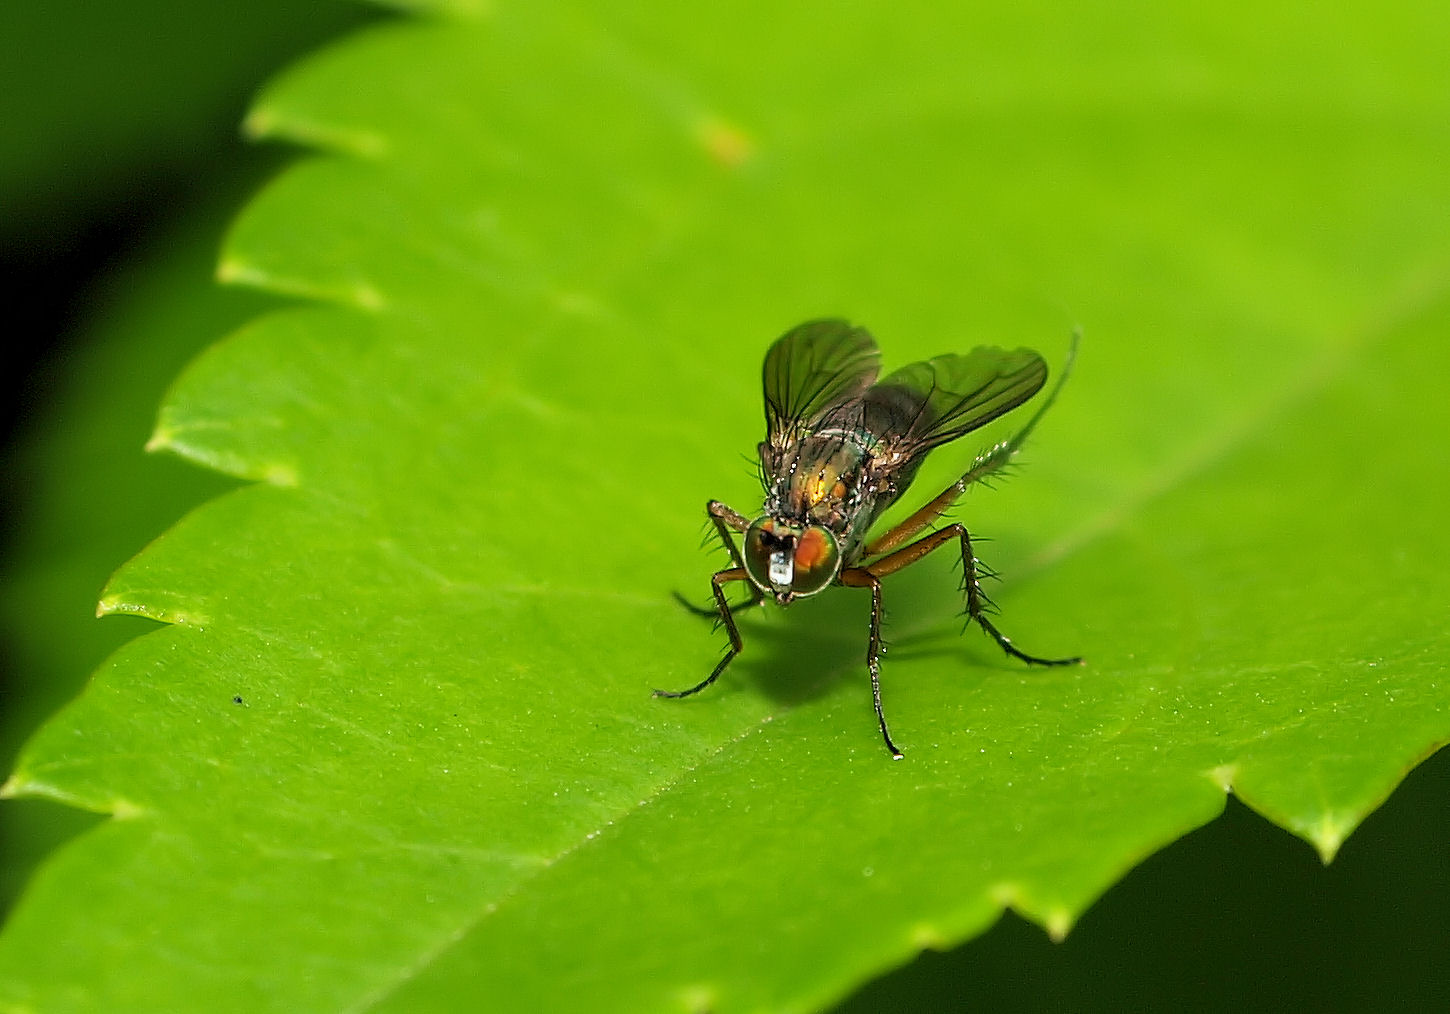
x=857 y=577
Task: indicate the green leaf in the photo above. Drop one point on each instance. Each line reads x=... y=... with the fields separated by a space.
x=396 y=748
x=91 y=498
x=87 y=168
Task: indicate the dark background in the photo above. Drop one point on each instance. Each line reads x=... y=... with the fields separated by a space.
x=121 y=152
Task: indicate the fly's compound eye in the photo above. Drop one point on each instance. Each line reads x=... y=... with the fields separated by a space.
x=770 y=555
x=817 y=558
x=789 y=560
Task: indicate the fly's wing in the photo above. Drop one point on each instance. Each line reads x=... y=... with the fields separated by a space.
x=928 y=404
x=811 y=369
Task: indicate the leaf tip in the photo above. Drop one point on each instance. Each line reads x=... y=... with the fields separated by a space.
x=124 y=809
x=232 y=270
x=23 y=785
x=259 y=123
x=122 y=605
x=1224 y=777
x=1005 y=894
x=1058 y=924
x=269 y=123
x=161 y=439
x=366 y=297
x=928 y=937
x=725 y=143
x=280 y=473
x=1057 y=920
x=699 y=999
x=1328 y=833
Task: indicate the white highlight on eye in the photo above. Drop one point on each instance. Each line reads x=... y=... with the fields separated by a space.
x=782 y=568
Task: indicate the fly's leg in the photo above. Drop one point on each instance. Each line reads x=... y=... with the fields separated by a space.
x=859 y=577
x=976 y=600
x=727 y=617
x=725 y=521
x=977 y=606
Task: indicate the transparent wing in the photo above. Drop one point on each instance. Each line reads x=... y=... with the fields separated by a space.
x=811 y=369
x=931 y=403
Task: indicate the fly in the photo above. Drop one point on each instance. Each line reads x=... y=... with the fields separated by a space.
x=841 y=447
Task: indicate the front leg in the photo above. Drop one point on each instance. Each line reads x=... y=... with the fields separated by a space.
x=727 y=520
x=727 y=617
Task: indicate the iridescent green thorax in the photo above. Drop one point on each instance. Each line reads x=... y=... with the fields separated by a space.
x=834 y=479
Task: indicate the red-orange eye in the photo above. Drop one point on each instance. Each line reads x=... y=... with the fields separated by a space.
x=816 y=559
x=813 y=548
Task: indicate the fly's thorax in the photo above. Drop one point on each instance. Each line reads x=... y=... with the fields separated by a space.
x=824 y=478
x=790 y=560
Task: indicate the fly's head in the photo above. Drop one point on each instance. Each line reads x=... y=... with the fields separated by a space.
x=790 y=560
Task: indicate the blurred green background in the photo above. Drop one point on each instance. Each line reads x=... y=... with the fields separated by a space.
x=120 y=166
